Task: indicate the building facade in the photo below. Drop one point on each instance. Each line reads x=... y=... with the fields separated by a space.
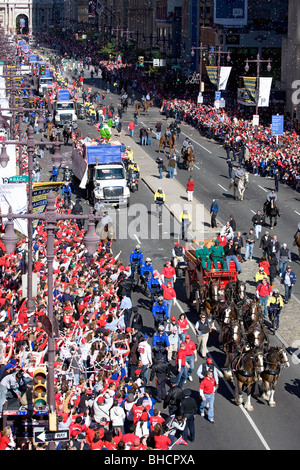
x=30 y=16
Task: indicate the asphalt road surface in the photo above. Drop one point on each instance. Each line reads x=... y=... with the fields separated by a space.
x=234 y=429
x=264 y=428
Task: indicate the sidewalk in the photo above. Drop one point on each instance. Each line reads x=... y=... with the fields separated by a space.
x=176 y=200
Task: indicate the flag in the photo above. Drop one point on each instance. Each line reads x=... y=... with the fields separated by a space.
x=250 y=86
x=264 y=91
x=224 y=76
x=212 y=72
x=179 y=441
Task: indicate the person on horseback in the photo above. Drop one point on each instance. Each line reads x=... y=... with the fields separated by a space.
x=274 y=305
x=271 y=200
x=238 y=174
x=297 y=234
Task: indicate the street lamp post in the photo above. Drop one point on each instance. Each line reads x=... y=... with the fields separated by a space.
x=219 y=53
x=201 y=48
x=30 y=143
x=258 y=62
x=91 y=241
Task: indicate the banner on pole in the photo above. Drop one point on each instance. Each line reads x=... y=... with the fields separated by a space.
x=250 y=86
x=39 y=196
x=265 y=84
x=212 y=72
x=224 y=76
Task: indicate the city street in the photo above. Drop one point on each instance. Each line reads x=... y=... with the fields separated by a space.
x=235 y=428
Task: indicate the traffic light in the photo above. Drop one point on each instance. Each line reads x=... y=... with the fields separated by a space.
x=39 y=392
x=141 y=61
x=43 y=70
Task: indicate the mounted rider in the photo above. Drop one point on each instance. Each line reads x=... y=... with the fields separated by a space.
x=239 y=173
x=271 y=200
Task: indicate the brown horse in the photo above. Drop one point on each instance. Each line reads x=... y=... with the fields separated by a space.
x=164 y=142
x=147 y=106
x=257 y=336
x=188 y=159
x=143 y=106
x=274 y=360
x=247 y=367
x=232 y=340
x=251 y=313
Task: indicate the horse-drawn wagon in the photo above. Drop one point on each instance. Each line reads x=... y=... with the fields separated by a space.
x=199 y=281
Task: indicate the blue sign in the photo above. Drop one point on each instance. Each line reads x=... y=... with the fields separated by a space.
x=217 y=96
x=33 y=58
x=231 y=12
x=277 y=124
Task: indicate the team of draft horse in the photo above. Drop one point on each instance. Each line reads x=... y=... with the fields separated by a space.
x=251 y=364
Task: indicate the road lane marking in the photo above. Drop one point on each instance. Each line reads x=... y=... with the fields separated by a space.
x=222 y=187
x=264 y=189
x=137 y=239
x=196 y=142
x=297 y=212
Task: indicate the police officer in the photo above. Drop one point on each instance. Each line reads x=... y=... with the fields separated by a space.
x=146 y=273
x=173 y=397
x=274 y=305
x=160 y=342
x=160 y=370
x=154 y=285
x=160 y=312
x=66 y=192
x=136 y=260
x=78 y=210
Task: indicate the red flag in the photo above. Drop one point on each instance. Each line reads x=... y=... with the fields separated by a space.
x=180 y=440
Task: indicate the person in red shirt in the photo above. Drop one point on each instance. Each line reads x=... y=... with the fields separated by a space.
x=6 y=440
x=183 y=326
x=161 y=441
x=168 y=273
x=190 y=188
x=169 y=296
x=182 y=366
x=207 y=394
x=156 y=418
x=191 y=356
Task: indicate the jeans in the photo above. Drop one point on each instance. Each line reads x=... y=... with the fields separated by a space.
x=158 y=135
x=131 y=132
x=144 y=141
x=171 y=172
x=235 y=259
x=149 y=141
x=182 y=376
x=160 y=173
x=249 y=251
x=190 y=426
x=263 y=304
x=257 y=230
x=42 y=153
x=209 y=400
x=169 y=303
x=282 y=266
x=287 y=292
x=191 y=361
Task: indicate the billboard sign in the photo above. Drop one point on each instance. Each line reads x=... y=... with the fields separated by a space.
x=231 y=12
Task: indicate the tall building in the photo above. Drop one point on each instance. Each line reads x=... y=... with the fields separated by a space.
x=291 y=61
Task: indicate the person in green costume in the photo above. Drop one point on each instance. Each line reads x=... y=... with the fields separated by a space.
x=202 y=253
x=217 y=254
